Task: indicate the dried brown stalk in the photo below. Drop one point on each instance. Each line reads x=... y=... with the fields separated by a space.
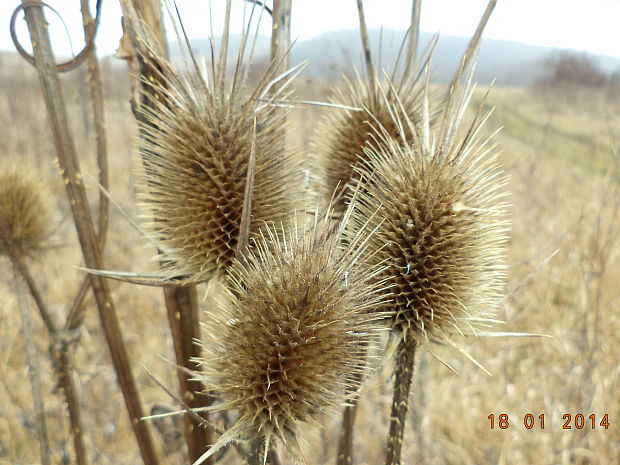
x=181 y=302
x=403 y=374
x=67 y=158
x=281 y=33
x=95 y=86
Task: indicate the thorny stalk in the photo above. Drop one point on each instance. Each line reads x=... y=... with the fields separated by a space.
x=405 y=357
x=68 y=161
x=95 y=87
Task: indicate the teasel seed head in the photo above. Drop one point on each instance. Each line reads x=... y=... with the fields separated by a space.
x=24 y=214
x=299 y=320
x=198 y=140
x=342 y=135
x=441 y=223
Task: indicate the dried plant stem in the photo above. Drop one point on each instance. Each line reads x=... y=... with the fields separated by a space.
x=281 y=33
x=182 y=310
x=34 y=375
x=59 y=350
x=181 y=302
x=345 y=441
x=67 y=158
x=403 y=374
x=95 y=85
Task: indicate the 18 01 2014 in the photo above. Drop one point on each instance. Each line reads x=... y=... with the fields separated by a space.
x=570 y=421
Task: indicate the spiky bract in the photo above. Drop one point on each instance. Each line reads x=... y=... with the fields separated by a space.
x=297 y=324
x=440 y=223
x=24 y=215
x=342 y=134
x=196 y=152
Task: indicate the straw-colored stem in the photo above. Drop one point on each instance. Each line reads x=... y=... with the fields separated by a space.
x=73 y=406
x=345 y=441
x=403 y=374
x=95 y=86
x=281 y=33
x=182 y=311
x=67 y=158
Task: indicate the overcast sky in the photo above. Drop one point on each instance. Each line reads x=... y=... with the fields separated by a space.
x=592 y=26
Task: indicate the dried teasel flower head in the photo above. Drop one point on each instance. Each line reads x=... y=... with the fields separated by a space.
x=443 y=229
x=298 y=322
x=199 y=134
x=24 y=214
x=342 y=135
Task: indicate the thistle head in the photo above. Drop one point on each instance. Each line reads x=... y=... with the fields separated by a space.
x=198 y=142
x=24 y=215
x=440 y=225
x=296 y=324
x=343 y=135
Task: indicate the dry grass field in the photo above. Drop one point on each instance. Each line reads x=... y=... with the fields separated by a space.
x=561 y=151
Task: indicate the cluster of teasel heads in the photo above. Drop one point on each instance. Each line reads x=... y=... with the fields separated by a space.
x=418 y=246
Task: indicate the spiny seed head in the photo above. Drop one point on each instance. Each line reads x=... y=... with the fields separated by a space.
x=296 y=325
x=440 y=225
x=198 y=143
x=24 y=215
x=342 y=135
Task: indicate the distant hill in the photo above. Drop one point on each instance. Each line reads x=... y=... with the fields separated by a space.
x=335 y=52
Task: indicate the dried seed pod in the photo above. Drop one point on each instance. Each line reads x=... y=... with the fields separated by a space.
x=24 y=215
x=197 y=144
x=296 y=325
x=342 y=135
x=441 y=223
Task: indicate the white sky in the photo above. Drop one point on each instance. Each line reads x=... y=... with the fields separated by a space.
x=592 y=26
